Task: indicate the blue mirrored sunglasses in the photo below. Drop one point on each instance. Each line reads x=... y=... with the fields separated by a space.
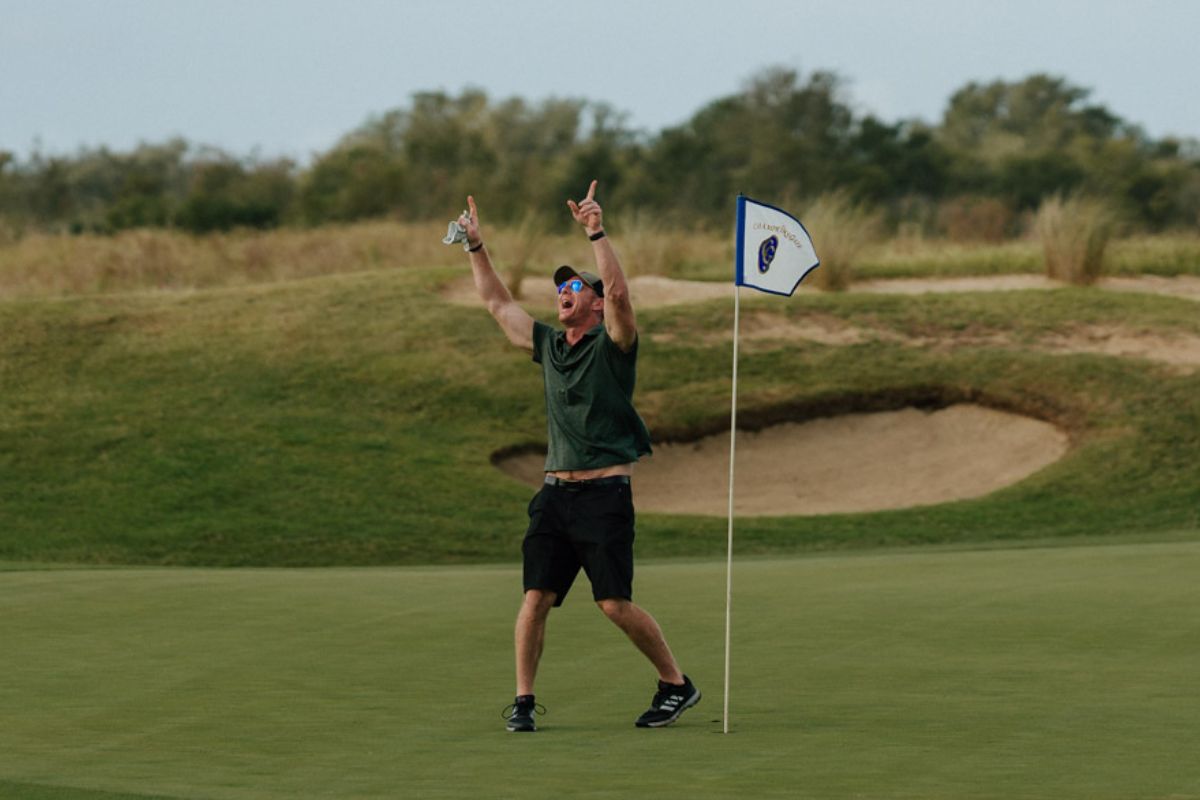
x=575 y=283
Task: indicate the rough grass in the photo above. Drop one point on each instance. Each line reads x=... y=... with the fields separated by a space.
x=914 y=257
x=1167 y=255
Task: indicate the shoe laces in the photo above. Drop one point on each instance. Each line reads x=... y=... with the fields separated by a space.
x=527 y=707
x=665 y=691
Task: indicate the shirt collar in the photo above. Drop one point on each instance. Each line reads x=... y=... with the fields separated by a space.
x=589 y=333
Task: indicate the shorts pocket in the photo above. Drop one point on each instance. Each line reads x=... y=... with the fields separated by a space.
x=536 y=504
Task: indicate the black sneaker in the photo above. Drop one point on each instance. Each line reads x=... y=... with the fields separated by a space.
x=519 y=715
x=669 y=702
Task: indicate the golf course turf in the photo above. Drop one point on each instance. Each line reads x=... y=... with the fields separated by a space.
x=1034 y=673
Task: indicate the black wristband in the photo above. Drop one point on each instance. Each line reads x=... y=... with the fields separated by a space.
x=597 y=236
x=476 y=248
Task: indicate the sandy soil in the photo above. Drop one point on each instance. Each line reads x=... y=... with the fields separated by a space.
x=982 y=283
x=1180 y=352
x=1184 y=286
x=850 y=463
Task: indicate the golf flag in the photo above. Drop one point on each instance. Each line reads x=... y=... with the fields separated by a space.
x=774 y=251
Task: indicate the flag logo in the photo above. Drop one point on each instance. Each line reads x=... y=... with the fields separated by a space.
x=766 y=252
x=777 y=242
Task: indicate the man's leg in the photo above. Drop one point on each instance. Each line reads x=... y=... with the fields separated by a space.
x=530 y=636
x=647 y=636
x=676 y=693
x=608 y=558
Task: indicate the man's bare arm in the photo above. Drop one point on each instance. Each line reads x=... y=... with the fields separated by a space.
x=619 y=319
x=513 y=320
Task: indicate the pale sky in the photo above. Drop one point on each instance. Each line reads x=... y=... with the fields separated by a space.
x=289 y=78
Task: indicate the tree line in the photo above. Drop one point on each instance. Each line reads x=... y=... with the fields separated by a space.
x=998 y=150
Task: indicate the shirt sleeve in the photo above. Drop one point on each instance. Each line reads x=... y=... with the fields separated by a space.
x=618 y=353
x=540 y=331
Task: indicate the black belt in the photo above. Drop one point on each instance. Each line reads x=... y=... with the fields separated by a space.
x=565 y=483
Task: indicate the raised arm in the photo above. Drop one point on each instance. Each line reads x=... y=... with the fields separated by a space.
x=516 y=324
x=619 y=319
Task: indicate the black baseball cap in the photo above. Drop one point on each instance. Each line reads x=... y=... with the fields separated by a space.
x=566 y=272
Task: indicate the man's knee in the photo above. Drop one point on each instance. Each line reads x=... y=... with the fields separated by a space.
x=615 y=608
x=538 y=602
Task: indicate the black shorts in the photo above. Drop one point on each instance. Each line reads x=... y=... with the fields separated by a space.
x=589 y=526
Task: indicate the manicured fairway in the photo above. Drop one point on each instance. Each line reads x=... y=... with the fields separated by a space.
x=1036 y=673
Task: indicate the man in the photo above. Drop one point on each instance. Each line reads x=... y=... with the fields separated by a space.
x=583 y=515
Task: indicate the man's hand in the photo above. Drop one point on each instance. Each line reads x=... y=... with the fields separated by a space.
x=470 y=221
x=587 y=212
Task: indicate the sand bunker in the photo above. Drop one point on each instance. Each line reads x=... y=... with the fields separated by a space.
x=850 y=463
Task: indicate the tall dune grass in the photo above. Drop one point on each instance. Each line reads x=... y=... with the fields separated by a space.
x=841 y=230
x=38 y=264
x=650 y=247
x=528 y=241
x=46 y=264
x=1074 y=232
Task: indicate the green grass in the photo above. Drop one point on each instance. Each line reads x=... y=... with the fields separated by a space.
x=1031 y=673
x=349 y=420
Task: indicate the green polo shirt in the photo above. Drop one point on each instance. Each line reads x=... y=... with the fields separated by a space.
x=590 y=418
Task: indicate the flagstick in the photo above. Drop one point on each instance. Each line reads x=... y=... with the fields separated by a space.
x=737 y=297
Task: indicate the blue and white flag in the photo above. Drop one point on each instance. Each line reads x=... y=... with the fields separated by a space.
x=774 y=251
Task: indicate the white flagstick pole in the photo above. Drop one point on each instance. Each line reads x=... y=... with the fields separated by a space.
x=737 y=296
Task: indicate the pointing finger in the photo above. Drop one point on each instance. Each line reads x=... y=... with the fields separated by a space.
x=592 y=190
x=471 y=205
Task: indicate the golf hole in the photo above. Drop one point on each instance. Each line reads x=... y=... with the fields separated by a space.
x=842 y=464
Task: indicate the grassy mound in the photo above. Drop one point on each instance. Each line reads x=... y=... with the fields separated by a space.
x=349 y=419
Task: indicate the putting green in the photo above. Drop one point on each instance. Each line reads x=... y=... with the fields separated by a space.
x=1018 y=673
